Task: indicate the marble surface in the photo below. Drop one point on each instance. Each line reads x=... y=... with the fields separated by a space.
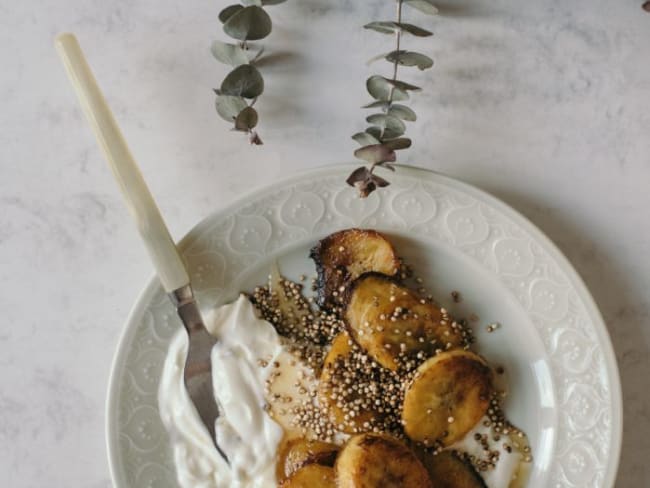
x=546 y=105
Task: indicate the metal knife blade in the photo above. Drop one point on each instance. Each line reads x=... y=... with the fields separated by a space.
x=198 y=365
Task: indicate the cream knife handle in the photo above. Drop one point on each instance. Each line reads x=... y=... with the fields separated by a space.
x=154 y=232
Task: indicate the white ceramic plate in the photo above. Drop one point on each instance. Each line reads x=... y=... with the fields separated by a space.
x=553 y=342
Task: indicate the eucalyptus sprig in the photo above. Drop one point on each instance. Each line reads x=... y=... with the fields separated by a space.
x=384 y=136
x=241 y=88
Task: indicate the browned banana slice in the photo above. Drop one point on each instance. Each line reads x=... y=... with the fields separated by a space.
x=298 y=453
x=392 y=323
x=335 y=396
x=343 y=256
x=376 y=460
x=311 y=476
x=448 y=396
x=448 y=470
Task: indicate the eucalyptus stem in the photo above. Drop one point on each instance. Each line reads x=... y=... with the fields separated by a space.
x=241 y=88
x=398 y=35
x=383 y=138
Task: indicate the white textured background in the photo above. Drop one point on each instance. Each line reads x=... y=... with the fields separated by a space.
x=545 y=104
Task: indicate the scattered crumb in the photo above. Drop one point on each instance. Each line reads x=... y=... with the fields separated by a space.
x=493 y=327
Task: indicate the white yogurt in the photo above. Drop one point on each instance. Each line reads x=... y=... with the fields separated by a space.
x=246 y=433
x=510 y=470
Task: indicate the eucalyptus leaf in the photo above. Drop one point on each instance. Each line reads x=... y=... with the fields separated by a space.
x=375 y=132
x=402 y=85
x=365 y=181
x=414 y=30
x=244 y=81
x=383 y=133
x=272 y=2
x=377 y=104
x=387 y=122
x=402 y=111
x=391 y=134
x=378 y=180
x=229 y=11
x=365 y=139
x=383 y=27
x=246 y=119
x=231 y=54
x=249 y=24
x=380 y=89
x=410 y=58
x=359 y=175
x=397 y=144
x=425 y=6
x=375 y=153
x=228 y=107
x=389 y=27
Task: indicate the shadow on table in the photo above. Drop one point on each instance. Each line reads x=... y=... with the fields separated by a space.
x=625 y=314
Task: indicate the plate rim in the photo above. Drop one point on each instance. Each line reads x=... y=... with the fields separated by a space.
x=581 y=288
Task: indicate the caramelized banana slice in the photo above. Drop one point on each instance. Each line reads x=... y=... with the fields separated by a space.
x=298 y=453
x=311 y=476
x=335 y=396
x=447 y=397
x=393 y=324
x=343 y=256
x=374 y=460
x=448 y=470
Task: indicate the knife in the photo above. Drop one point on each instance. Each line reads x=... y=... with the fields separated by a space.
x=161 y=248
